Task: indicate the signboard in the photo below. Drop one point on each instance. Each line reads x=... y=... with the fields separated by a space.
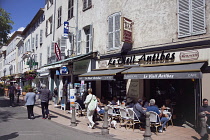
x=57 y=51
x=66 y=29
x=126 y=30
x=189 y=55
x=64 y=70
x=187 y=75
x=92 y=78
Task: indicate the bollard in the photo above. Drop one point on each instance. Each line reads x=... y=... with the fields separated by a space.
x=203 y=133
x=73 y=118
x=105 y=126
x=147 y=133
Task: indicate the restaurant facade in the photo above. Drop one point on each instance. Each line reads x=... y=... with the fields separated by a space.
x=177 y=72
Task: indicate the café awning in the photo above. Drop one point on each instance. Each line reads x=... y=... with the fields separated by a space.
x=107 y=74
x=179 y=71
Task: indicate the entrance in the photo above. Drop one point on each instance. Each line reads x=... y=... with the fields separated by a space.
x=181 y=95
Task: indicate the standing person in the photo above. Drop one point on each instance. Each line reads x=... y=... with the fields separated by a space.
x=30 y=99
x=164 y=119
x=12 y=91
x=91 y=104
x=19 y=89
x=45 y=96
x=140 y=113
x=206 y=109
x=55 y=96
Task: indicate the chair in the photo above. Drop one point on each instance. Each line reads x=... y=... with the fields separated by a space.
x=124 y=117
x=170 y=119
x=63 y=104
x=133 y=117
x=79 y=110
x=111 y=113
x=154 y=119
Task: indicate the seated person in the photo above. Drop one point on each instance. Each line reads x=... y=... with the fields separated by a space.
x=103 y=100
x=129 y=102
x=78 y=100
x=206 y=109
x=164 y=119
x=140 y=113
x=114 y=101
x=145 y=102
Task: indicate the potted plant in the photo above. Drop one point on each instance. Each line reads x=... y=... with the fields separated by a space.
x=25 y=89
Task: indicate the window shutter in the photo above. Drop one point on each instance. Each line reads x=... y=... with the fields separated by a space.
x=41 y=32
x=84 y=4
x=183 y=18
x=110 y=32
x=32 y=43
x=91 y=39
x=40 y=59
x=62 y=45
x=52 y=49
x=79 y=42
x=117 y=30
x=198 y=17
x=89 y=3
x=36 y=40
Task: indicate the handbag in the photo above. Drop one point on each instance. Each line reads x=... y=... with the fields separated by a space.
x=93 y=104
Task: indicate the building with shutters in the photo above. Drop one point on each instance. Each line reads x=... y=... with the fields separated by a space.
x=124 y=49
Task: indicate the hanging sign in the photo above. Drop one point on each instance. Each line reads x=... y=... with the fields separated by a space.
x=66 y=29
x=126 y=30
x=57 y=51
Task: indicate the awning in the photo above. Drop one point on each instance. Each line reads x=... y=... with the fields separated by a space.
x=184 y=71
x=100 y=74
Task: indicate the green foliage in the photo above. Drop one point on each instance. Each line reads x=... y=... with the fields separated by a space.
x=26 y=88
x=5 y=26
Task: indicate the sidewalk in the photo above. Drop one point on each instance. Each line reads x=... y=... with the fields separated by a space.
x=172 y=133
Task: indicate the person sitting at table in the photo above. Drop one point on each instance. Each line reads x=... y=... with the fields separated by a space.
x=114 y=101
x=163 y=118
x=103 y=100
x=140 y=113
x=80 y=102
x=129 y=102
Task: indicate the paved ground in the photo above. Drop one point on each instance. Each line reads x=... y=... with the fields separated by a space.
x=173 y=133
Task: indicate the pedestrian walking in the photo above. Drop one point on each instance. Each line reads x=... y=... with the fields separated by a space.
x=45 y=96
x=12 y=92
x=30 y=99
x=55 y=95
x=91 y=104
x=19 y=89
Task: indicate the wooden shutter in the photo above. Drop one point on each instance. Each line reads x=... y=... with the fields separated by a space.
x=36 y=44
x=79 y=42
x=198 y=17
x=32 y=43
x=40 y=40
x=117 y=30
x=184 y=18
x=40 y=59
x=52 y=49
x=91 y=39
x=84 y=4
x=62 y=45
x=110 y=34
x=89 y=3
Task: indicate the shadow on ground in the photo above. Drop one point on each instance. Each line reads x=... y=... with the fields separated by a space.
x=9 y=136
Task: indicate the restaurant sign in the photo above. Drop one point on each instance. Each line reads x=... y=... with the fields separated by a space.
x=126 y=30
x=156 y=57
x=188 y=75
x=92 y=78
x=189 y=55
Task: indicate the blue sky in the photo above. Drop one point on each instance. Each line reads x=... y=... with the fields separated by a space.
x=21 y=11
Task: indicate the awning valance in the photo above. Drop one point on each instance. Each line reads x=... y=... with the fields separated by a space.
x=100 y=74
x=185 y=71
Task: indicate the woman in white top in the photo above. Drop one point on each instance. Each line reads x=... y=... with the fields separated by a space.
x=90 y=110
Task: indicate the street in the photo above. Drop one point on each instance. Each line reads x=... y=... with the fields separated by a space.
x=15 y=125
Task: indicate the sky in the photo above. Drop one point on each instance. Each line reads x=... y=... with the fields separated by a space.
x=21 y=11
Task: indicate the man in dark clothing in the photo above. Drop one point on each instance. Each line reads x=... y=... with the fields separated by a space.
x=206 y=108
x=12 y=91
x=45 y=96
x=140 y=113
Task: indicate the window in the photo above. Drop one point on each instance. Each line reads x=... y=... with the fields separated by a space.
x=79 y=42
x=49 y=3
x=88 y=41
x=32 y=43
x=70 y=9
x=191 y=17
x=114 y=31
x=87 y=4
x=59 y=16
x=48 y=26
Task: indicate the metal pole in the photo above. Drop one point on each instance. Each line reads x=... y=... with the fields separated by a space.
x=76 y=27
x=147 y=133
x=105 y=126
x=73 y=118
x=203 y=133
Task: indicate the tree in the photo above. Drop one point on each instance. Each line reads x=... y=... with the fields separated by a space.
x=5 y=26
